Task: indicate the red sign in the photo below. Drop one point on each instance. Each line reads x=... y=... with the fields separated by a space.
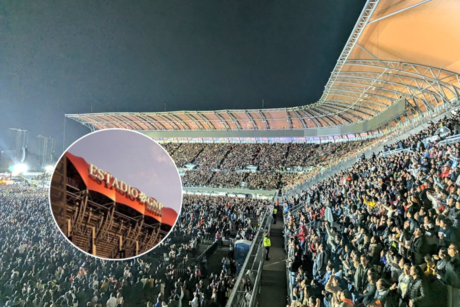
x=102 y=182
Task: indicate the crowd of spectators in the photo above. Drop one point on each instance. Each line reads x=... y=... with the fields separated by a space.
x=186 y=153
x=241 y=156
x=383 y=233
x=318 y=158
x=297 y=156
x=171 y=147
x=217 y=163
x=263 y=180
x=205 y=215
x=211 y=156
x=271 y=156
x=227 y=179
x=38 y=267
x=196 y=178
x=289 y=179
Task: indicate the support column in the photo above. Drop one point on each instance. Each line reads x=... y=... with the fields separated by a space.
x=93 y=241
x=69 y=229
x=121 y=251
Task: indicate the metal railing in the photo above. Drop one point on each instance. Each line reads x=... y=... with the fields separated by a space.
x=430 y=139
x=450 y=140
x=251 y=268
x=394 y=152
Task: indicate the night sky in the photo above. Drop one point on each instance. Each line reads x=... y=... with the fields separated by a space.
x=59 y=57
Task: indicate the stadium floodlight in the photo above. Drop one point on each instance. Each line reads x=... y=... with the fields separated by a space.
x=49 y=168
x=20 y=168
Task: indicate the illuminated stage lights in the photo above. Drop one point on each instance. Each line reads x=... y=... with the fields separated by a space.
x=100 y=176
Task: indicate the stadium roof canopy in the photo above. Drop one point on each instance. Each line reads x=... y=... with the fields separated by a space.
x=398 y=48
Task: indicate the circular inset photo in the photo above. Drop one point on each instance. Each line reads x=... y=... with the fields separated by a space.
x=115 y=194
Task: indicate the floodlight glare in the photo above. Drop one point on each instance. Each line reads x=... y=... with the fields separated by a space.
x=20 y=168
x=49 y=168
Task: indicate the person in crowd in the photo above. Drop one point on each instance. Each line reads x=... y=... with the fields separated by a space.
x=267 y=244
x=394 y=236
x=38 y=267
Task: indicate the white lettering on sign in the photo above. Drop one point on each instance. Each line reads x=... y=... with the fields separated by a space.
x=122 y=187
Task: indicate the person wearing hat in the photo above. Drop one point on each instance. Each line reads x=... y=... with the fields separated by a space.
x=267 y=244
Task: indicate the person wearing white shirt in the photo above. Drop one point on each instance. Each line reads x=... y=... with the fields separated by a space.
x=195 y=302
x=112 y=301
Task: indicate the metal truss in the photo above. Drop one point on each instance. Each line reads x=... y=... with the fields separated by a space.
x=206 y=120
x=415 y=84
x=289 y=119
x=356 y=96
x=197 y=122
x=337 y=108
x=361 y=109
x=106 y=123
x=267 y=126
x=354 y=87
x=325 y=117
x=85 y=123
x=400 y=11
x=348 y=116
x=221 y=119
x=301 y=119
x=363 y=102
x=405 y=90
x=170 y=122
x=313 y=118
x=235 y=121
x=180 y=121
x=337 y=111
x=357 y=89
x=424 y=84
x=153 y=123
x=345 y=119
x=138 y=122
x=330 y=109
x=254 y=126
x=363 y=20
x=428 y=73
x=319 y=117
x=126 y=122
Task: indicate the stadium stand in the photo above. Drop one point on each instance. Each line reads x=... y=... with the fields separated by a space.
x=40 y=268
x=275 y=166
x=383 y=231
